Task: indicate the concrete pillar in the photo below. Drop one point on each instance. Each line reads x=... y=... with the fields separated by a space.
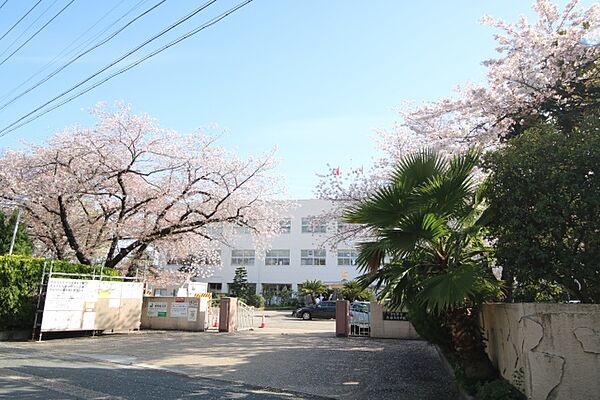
x=342 y=318
x=228 y=314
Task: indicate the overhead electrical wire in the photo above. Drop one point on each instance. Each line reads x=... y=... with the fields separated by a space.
x=68 y=51
x=29 y=27
x=37 y=32
x=72 y=60
x=2 y=5
x=21 y=19
x=25 y=120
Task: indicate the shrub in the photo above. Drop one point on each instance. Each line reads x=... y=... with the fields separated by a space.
x=498 y=389
x=431 y=327
x=19 y=278
x=255 y=300
x=544 y=196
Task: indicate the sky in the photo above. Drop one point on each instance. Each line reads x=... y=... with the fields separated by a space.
x=312 y=78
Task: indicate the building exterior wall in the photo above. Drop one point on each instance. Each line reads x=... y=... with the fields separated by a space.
x=548 y=351
x=295 y=241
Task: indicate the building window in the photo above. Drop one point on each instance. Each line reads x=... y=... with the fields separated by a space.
x=275 y=288
x=160 y=292
x=242 y=257
x=251 y=287
x=347 y=257
x=285 y=225
x=277 y=257
x=215 y=287
x=312 y=257
x=342 y=227
x=313 y=225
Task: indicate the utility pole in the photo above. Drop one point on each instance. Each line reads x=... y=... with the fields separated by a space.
x=14 y=236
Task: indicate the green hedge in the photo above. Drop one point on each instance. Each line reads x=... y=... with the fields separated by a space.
x=19 y=278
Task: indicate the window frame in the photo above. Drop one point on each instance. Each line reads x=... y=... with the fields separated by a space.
x=309 y=225
x=280 y=259
x=246 y=254
x=310 y=256
x=285 y=226
x=350 y=259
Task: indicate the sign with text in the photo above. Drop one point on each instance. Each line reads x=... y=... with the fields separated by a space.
x=78 y=304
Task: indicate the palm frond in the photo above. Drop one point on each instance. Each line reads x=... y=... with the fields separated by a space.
x=465 y=285
x=381 y=209
x=419 y=167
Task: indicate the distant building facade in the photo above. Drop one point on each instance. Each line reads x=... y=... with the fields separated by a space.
x=299 y=253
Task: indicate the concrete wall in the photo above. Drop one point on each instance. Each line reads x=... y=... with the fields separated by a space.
x=381 y=328
x=548 y=351
x=168 y=313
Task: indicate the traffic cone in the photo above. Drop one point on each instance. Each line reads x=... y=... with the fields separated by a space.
x=215 y=324
x=262 y=322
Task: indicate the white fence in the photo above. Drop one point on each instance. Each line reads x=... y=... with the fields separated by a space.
x=244 y=317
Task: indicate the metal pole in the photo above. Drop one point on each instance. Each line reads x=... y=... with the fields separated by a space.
x=14 y=236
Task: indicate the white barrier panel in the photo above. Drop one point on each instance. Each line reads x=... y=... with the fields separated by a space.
x=77 y=304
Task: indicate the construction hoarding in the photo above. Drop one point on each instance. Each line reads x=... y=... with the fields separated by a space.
x=77 y=305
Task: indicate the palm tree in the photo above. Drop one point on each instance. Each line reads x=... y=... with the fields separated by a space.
x=312 y=288
x=352 y=290
x=426 y=249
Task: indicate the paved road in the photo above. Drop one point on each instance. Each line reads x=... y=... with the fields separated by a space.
x=35 y=374
x=289 y=359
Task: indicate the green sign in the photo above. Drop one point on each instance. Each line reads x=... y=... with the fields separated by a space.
x=162 y=313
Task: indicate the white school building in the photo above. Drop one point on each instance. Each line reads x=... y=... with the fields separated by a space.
x=299 y=253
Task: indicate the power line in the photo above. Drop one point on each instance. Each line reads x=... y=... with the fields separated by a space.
x=37 y=32
x=22 y=18
x=5 y=1
x=29 y=27
x=72 y=60
x=72 y=51
x=18 y=124
x=121 y=58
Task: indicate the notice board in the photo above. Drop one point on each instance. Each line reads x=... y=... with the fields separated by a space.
x=81 y=305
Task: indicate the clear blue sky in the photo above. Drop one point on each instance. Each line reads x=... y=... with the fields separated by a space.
x=312 y=77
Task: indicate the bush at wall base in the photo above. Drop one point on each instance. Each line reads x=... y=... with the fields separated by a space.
x=498 y=389
x=19 y=279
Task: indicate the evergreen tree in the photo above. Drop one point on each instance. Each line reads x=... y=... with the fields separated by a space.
x=240 y=288
x=22 y=242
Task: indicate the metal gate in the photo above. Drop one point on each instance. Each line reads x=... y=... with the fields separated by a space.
x=359 y=320
x=244 y=317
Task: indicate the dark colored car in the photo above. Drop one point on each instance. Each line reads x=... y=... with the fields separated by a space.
x=325 y=309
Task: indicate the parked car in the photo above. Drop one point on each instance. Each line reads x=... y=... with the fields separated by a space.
x=325 y=309
x=360 y=318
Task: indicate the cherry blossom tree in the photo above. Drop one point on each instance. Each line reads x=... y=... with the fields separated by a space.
x=114 y=191
x=545 y=70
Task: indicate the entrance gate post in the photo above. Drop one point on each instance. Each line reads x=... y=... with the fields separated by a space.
x=342 y=315
x=227 y=314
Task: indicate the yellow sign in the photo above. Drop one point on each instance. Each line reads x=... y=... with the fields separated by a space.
x=344 y=275
x=207 y=295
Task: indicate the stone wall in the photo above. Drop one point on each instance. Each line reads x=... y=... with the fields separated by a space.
x=548 y=351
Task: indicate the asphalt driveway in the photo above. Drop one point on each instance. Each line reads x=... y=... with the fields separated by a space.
x=303 y=358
